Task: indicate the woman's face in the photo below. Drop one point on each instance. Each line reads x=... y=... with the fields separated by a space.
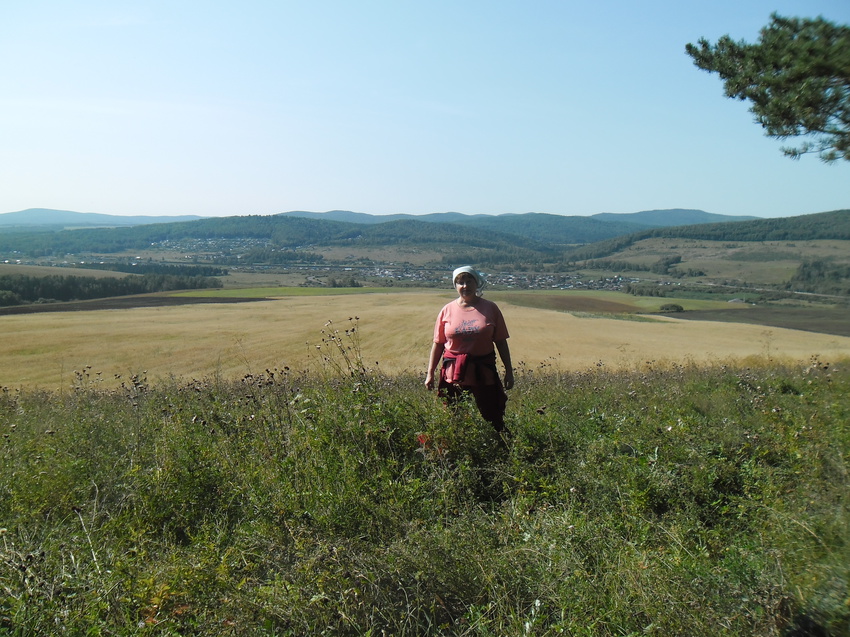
x=466 y=285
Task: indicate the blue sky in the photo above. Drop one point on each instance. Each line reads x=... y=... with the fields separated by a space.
x=258 y=107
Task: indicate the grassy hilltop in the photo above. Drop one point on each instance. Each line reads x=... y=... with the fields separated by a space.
x=669 y=500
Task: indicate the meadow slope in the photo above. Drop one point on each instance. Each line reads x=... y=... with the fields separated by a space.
x=394 y=332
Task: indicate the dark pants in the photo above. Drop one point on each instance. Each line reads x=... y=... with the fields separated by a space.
x=490 y=400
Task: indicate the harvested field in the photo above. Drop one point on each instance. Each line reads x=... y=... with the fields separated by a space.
x=229 y=340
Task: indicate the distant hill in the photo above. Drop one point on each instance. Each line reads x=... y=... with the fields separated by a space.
x=556 y=230
x=643 y=219
x=671 y=217
x=549 y=229
x=818 y=226
x=35 y=218
x=807 y=253
x=362 y=217
x=544 y=227
x=497 y=241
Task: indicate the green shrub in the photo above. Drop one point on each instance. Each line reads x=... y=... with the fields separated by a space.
x=672 y=307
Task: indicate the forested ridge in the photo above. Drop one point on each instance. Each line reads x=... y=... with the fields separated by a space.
x=554 y=230
x=536 y=232
x=288 y=232
x=819 y=226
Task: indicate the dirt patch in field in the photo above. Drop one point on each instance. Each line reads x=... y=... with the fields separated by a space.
x=119 y=303
x=819 y=320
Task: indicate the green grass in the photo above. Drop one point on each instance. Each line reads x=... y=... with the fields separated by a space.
x=672 y=501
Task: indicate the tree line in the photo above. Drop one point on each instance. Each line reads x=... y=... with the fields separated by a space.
x=17 y=289
x=271 y=255
x=174 y=269
x=822 y=277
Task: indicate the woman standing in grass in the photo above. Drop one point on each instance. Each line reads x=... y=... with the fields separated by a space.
x=468 y=332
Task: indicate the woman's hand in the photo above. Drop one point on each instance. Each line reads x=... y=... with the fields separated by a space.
x=505 y=355
x=509 y=378
x=433 y=358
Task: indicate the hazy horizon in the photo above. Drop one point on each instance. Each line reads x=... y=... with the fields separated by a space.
x=388 y=214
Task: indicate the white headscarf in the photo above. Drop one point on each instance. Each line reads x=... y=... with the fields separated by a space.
x=468 y=269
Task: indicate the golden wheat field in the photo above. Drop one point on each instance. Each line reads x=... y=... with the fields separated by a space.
x=394 y=330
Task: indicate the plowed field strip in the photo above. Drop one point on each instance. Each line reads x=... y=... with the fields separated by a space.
x=819 y=320
x=120 y=303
